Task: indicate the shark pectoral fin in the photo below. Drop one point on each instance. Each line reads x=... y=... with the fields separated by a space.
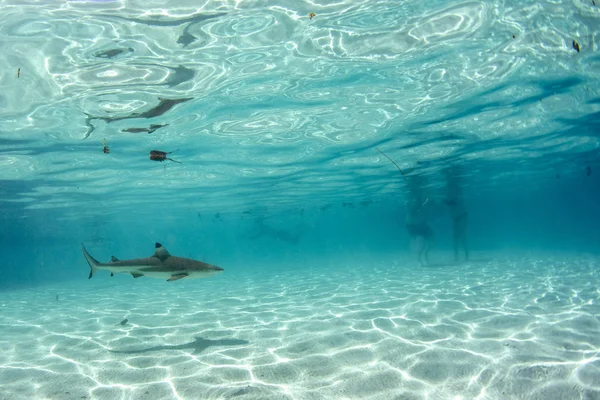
x=176 y=277
x=113 y=259
x=136 y=275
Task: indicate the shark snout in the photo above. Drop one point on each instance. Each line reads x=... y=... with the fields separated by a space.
x=215 y=268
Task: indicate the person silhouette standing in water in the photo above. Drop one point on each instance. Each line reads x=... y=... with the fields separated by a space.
x=419 y=230
x=455 y=202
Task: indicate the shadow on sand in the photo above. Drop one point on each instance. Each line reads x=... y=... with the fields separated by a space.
x=198 y=346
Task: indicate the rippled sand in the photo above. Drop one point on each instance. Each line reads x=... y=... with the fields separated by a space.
x=489 y=329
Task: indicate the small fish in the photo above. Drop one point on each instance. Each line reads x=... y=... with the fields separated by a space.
x=124 y=322
x=57 y=298
x=135 y=130
x=576 y=46
x=151 y=129
x=19 y=73
x=157 y=155
x=311 y=15
x=112 y=52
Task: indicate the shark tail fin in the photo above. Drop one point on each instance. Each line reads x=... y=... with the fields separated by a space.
x=91 y=260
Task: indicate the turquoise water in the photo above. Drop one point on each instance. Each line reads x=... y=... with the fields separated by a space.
x=324 y=162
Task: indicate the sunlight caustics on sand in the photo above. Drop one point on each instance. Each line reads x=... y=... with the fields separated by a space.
x=489 y=329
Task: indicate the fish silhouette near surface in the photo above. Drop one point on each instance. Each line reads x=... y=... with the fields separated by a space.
x=150 y=129
x=162 y=107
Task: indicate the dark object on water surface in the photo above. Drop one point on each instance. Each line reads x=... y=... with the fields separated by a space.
x=150 y=129
x=157 y=155
x=163 y=106
x=112 y=52
x=576 y=46
x=124 y=322
x=588 y=170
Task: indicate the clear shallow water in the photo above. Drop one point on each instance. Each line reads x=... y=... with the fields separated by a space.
x=490 y=329
x=276 y=119
x=270 y=100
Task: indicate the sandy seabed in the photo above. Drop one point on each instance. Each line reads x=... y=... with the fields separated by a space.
x=493 y=328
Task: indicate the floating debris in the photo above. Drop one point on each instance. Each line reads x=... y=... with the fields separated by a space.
x=105 y=148
x=576 y=46
x=311 y=15
x=157 y=155
x=385 y=155
x=19 y=73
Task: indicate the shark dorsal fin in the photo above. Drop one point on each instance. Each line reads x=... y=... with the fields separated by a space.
x=161 y=253
x=113 y=259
